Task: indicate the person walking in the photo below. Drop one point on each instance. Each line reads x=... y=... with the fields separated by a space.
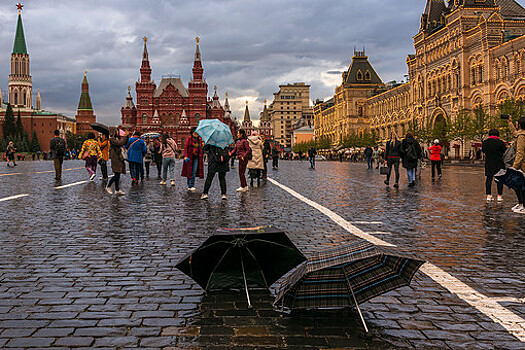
x=136 y=151
x=275 y=157
x=193 y=159
x=494 y=149
x=267 y=152
x=148 y=157
x=435 y=159
x=312 y=152
x=393 y=157
x=411 y=152
x=118 y=164
x=256 y=163
x=218 y=162
x=10 y=153
x=90 y=153
x=243 y=152
x=376 y=155
x=519 y=161
x=369 y=152
x=168 y=149
x=157 y=156
x=57 y=145
x=103 y=143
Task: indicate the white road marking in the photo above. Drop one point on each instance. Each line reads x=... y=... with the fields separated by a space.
x=514 y=324
x=40 y=172
x=380 y=233
x=13 y=197
x=71 y=185
x=368 y=222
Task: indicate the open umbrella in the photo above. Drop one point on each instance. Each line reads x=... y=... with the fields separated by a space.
x=345 y=276
x=214 y=132
x=512 y=178
x=242 y=258
x=101 y=128
x=151 y=135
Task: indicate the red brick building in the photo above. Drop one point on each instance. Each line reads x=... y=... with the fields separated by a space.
x=171 y=107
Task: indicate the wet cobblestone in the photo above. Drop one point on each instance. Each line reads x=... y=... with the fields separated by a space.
x=82 y=269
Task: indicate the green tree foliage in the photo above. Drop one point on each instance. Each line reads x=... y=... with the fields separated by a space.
x=8 y=127
x=354 y=139
x=74 y=141
x=514 y=109
x=423 y=133
x=482 y=122
x=303 y=147
x=19 y=127
x=35 y=145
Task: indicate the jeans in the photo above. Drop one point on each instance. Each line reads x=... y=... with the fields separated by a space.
x=312 y=162
x=488 y=186
x=168 y=163
x=158 y=163
x=436 y=164
x=115 y=180
x=134 y=169
x=411 y=174
x=369 y=161
x=275 y=162
x=242 y=171
x=393 y=162
x=104 y=168
x=91 y=165
x=209 y=179
x=147 y=165
x=58 y=167
x=141 y=172
x=194 y=168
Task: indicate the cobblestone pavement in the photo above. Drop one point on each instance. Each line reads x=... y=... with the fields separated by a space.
x=80 y=268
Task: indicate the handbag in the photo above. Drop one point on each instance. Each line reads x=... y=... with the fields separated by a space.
x=86 y=155
x=383 y=170
x=124 y=151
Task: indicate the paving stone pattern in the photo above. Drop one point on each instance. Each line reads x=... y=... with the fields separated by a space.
x=81 y=269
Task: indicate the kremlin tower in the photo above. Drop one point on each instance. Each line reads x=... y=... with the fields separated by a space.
x=85 y=116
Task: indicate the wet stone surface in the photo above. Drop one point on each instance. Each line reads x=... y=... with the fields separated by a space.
x=80 y=268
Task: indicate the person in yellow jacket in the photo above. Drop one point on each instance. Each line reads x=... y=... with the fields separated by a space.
x=103 y=143
x=90 y=152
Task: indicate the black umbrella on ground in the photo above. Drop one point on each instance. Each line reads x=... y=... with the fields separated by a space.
x=242 y=258
x=101 y=128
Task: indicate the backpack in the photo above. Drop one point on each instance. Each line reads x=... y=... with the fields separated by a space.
x=223 y=155
x=509 y=156
x=60 y=147
x=411 y=153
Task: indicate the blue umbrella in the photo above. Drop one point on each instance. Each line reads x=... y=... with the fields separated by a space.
x=512 y=178
x=151 y=135
x=214 y=132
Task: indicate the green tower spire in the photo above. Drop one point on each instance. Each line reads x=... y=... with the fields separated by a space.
x=20 y=40
x=85 y=100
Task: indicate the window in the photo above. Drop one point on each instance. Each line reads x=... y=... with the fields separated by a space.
x=359 y=75
x=368 y=76
x=144 y=118
x=197 y=117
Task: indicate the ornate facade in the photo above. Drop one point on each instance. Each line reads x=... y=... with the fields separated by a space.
x=467 y=53
x=170 y=107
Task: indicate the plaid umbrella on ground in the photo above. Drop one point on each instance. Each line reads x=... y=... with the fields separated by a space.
x=242 y=258
x=512 y=178
x=345 y=276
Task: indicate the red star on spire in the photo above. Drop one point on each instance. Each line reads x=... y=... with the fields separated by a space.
x=19 y=6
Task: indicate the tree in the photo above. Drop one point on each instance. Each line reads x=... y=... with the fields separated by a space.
x=514 y=109
x=323 y=143
x=420 y=131
x=74 y=141
x=461 y=127
x=481 y=123
x=9 y=122
x=19 y=128
x=35 y=145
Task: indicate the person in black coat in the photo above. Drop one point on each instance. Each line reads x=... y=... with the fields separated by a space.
x=410 y=155
x=392 y=156
x=218 y=162
x=494 y=148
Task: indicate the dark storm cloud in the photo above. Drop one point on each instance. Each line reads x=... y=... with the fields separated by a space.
x=248 y=47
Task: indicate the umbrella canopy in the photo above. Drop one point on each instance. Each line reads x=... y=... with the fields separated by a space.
x=101 y=128
x=151 y=135
x=345 y=276
x=242 y=258
x=214 y=132
x=512 y=178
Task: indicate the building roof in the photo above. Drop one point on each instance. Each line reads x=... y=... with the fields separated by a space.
x=85 y=100
x=434 y=10
x=305 y=128
x=510 y=9
x=357 y=73
x=20 y=40
x=176 y=82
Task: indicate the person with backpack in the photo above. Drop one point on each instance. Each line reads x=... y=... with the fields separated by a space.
x=90 y=153
x=410 y=154
x=494 y=149
x=435 y=159
x=10 y=153
x=168 y=150
x=519 y=161
x=392 y=158
x=57 y=145
x=148 y=158
x=193 y=159
x=136 y=151
x=218 y=162
x=118 y=164
x=243 y=152
x=103 y=143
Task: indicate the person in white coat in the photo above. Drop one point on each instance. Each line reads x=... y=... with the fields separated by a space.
x=256 y=163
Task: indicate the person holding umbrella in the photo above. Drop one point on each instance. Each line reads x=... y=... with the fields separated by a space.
x=116 y=142
x=193 y=159
x=103 y=143
x=218 y=162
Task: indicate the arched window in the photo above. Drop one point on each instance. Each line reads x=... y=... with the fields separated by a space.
x=144 y=118
x=170 y=118
x=24 y=98
x=16 y=99
x=368 y=76
x=359 y=76
x=480 y=73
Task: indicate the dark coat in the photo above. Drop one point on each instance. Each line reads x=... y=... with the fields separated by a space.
x=188 y=153
x=393 y=149
x=494 y=148
x=115 y=154
x=218 y=160
x=410 y=153
x=275 y=152
x=267 y=150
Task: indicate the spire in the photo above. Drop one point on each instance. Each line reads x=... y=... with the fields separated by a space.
x=246 y=114
x=145 y=70
x=198 y=71
x=38 y=101
x=20 y=40
x=85 y=100
x=145 y=52
x=227 y=104
x=265 y=116
x=183 y=117
x=129 y=100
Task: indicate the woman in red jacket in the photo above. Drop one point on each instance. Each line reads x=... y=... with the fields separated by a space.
x=193 y=165
x=242 y=150
x=435 y=159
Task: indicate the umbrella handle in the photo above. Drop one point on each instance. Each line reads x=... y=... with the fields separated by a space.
x=355 y=301
x=245 y=283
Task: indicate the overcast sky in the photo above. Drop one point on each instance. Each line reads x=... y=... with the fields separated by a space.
x=248 y=47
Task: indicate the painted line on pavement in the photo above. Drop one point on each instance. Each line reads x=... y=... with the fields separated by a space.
x=71 y=185
x=13 y=197
x=380 y=233
x=368 y=222
x=514 y=324
x=40 y=172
